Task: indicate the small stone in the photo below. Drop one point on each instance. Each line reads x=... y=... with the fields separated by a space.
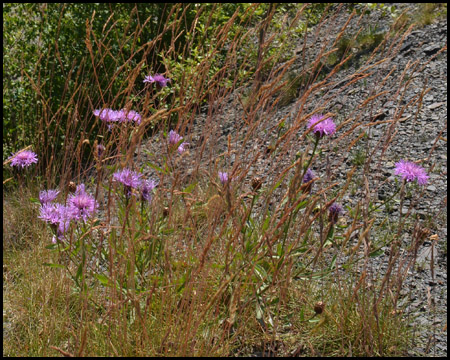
x=432 y=49
x=436 y=105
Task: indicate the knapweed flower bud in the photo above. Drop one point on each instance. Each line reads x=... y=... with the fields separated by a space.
x=256 y=183
x=100 y=150
x=165 y=211
x=334 y=211
x=72 y=187
x=319 y=307
x=309 y=175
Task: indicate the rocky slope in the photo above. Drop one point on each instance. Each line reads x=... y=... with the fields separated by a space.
x=397 y=97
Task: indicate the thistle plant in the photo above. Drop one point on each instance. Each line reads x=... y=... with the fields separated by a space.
x=159 y=79
x=22 y=160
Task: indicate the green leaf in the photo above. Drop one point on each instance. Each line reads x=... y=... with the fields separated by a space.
x=376 y=253
x=260 y=272
x=266 y=223
x=333 y=262
x=190 y=187
x=103 y=279
x=301 y=205
x=79 y=272
x=157 y=168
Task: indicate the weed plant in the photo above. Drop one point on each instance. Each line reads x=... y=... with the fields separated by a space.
x=181 y=250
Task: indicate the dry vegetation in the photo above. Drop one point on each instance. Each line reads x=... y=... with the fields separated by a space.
x=210 y=269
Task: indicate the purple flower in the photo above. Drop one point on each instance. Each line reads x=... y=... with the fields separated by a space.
x=130 y=180
x=321 y=127
x=409 y=171
x=132 y=116
x=107 y=115
x=49 y=213
x=47 y=196
x=181 y=149
x=80 y=189
x=82 y=204
x=147 y=188
x=223 y=176
x=65 y=215
x=23 y=158
x=159 y=79
x=174 y=139
x=100 y=150
x=334 y=211
x=309 y=175
x=58 y=216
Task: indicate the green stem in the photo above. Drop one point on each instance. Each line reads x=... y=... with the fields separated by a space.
x=286 y=228
x=310 y=159
x=386 y=201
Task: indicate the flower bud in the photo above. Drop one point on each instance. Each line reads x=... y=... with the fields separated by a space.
x=319 y=307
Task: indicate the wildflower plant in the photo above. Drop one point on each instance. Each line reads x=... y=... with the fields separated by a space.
x=159 y=79
x=23 y=159
x=223 y=176
x=130 y=180
x=175 y=141
x=83 y=205
x=258 y=253
x=409 y=171
x=321 y=126
x=48 y=196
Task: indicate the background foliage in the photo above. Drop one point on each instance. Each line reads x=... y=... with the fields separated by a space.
x=62 y=61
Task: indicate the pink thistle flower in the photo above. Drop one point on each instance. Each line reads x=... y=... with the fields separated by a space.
x=58 y=216
x=129 y=179
x=174 y=139
x=107 y=115
x=47 y=196
x=147 y=188
x=321 y=127
x=160 y=80
x=181 y=149
x=409 y=171
x=132 y=116
x=223 y=176
x=23 y=158
x=49 y=213
x=82 y=205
